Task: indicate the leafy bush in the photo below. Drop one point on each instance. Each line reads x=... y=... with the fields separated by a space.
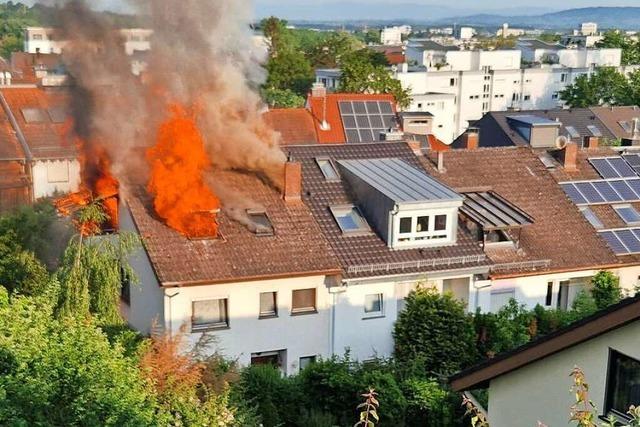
x=606 y=289
x=436 y=331
x=512 y=326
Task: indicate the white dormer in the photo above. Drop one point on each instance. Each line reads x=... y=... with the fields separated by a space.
x=407 y=207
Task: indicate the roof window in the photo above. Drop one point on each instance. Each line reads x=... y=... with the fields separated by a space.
x=349 y=219
x=33 y=115
x=595 y=131
x=573 y=133
x=328 y=169
x=261 y=225
x=628 y=214
x=57 y=115
x=591 y=217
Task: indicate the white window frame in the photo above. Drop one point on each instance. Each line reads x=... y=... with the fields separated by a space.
x=210 y=326
x=371 y=314
x=431 y=237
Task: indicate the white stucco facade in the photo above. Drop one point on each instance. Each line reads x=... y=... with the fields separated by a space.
x=45 y=40
x=540 y=391
x=55 y=176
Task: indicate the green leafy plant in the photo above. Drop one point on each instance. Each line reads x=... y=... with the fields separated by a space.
x=368 y=410
x=606 y=289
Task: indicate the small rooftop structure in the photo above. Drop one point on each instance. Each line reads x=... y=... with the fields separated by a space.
x=533 y=120
x=493 y=212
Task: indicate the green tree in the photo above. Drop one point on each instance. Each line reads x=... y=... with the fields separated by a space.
x=606 y=289
x=359 y=75
x=92 y=269
x=436 y=332
x=65 y=372
x=605 y=86
x=279 y=98
x=617 y=39
x=20 y=271
x=330 y=50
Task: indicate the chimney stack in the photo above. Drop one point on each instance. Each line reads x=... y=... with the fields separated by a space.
x=318 y=90
x=292 y=181
x=471 y=138
x=440 y=162
x=570 y=157
x=592 y=142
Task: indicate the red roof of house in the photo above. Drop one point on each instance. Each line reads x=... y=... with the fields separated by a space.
x=295 y=125
x=436 y=145
x=331 y=113
x=46 y=138
x=395 y=58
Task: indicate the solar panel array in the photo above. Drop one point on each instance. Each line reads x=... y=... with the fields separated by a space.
x=623 y=242
x=364 y=121
x=633 y=160
x=613 y=167
x=597 y=192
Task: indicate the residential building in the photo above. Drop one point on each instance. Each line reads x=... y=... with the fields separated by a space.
x=260 y=288
x=392 y=227
x=622 y=122
x=329 y=78
x=505 y=31
x=49 y=40
x=589 y=29
x=443 y=109
x=428 y=53
x=395 y=54
x=392 y=36
x=522 y=128
x=295 y=125
x=39 y=120
x=534 y=259
x=433 y=55
x=531 y=384
x=464 y=33
x=538 y=51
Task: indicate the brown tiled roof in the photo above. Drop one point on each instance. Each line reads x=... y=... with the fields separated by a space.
x=610 y=116
x=10 y=148
x=495 y=130
x=23 y=65
x=297 y=247
x=517 y=174
x=295 y=125
x=370 y=250
x=45 y=139
x=14 y=185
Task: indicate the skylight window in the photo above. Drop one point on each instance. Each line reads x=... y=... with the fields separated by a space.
x=261 y=225
x=328 y=169
x=57 y=115
x=595 y=131
x=591 y=217
x=573 y=133
x=33 y=115
x=349 y=219
x=628 y=214
x=626 y=126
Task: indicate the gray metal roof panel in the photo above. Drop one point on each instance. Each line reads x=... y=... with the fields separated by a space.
x=534 y=120
x=399 y=181
x=494 y=212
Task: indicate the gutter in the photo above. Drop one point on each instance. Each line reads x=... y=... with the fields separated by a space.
x=23 y=141
x=558 y=271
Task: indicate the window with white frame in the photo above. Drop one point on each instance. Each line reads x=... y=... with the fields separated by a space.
x=209 y=314
x=423 y=227
x=373 y=305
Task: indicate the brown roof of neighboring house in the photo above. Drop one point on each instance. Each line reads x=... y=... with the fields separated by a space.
x=611 y=116
x=14 y=185
x=607 y=320
x=10 y=148
x=45 y=139
x=24 y=65
x=370 y=251
x=495 y=130
x=516 y=174
x=295 y=125
x=296 y=248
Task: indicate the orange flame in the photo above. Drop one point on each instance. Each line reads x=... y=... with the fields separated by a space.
x=177 y=162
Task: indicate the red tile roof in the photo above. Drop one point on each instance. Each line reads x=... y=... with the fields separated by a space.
x=14 y=185
x=296 y=248
x=45 y=139
x=436 y=145
x=335 y=133
x=395 y=58
x=23 y=65
x=10 y=148
x=518 y=175
x=295 y=125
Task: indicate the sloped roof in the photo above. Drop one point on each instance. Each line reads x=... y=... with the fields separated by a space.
x=610 y=116
x=539 y=44
x=296 y=248
x=46 y=139
x=516 y=174
x=331 y=113
x=496 y=131
x=295 y=125
x=368 y=255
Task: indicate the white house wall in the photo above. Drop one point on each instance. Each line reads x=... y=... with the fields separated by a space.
x=540 y=391
x=55 y=176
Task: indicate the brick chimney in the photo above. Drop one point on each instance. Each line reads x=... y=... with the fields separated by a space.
x=592 y=142
x=292 y=181
x=471 y=138
x=318 y=90
x=569 y=157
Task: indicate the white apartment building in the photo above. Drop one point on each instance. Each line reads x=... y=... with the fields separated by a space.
x=464 y=33
x=392 y=36
x=46 y=40
x=505 y=31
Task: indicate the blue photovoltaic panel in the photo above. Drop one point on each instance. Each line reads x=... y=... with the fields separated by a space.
x=635 y=186
x=632 y=159
x=614 y=243
x=636 y=231
x=574 y=194
x=589 y=192
x=628 y=214
x=365 y=121
x=605 y=189
x=624 y=190
x=604 y=168
x=622 y=167
x=629 y=240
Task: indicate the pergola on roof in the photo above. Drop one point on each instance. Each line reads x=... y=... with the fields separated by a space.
x=493 y=212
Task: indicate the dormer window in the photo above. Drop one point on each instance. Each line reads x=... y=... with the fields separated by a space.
x=424 y=227
x=328 y=169
x=349 y=219
x=260 y=223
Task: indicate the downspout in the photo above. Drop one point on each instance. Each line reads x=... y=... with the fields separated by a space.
x=23 y=143
x=332 y=330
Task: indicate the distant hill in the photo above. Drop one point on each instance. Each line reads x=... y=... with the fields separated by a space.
x=607 y=17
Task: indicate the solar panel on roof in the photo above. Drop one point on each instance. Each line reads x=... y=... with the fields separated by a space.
x=614 y=243
x=612 y=167
x=595 y=130
x=628 y=214
x=589 y=192
x=365 y=121
x=575 y=196
x=622 y=167
x=635 y=186
x=607 y=192
x=629 y=240
x=623 y=190
x=632 y=159
x=603 y=168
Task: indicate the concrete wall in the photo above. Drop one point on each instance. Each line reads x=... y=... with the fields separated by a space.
x=51 y=176
x=540 y=391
